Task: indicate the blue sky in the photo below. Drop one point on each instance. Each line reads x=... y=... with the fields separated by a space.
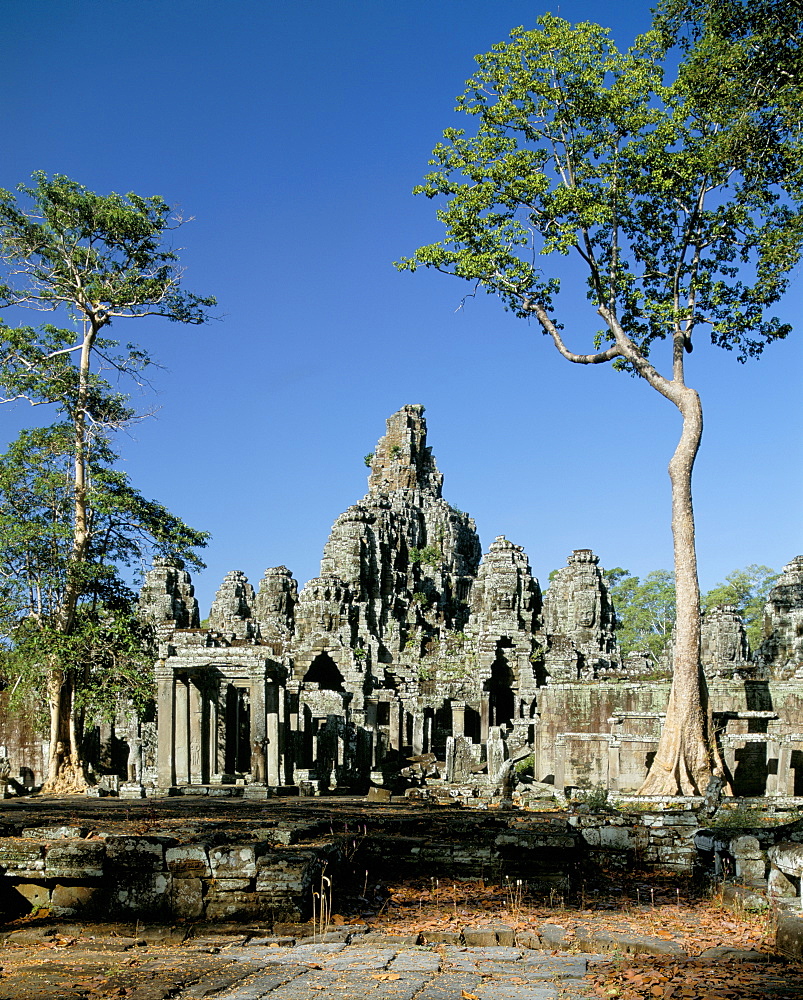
x=292 y=133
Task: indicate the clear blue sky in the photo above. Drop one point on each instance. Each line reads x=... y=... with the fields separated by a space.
x=293 y=132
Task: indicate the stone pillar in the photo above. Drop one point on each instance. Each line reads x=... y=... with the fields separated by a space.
x=485 y=717
x=272 y=748
x=182 y=732
x=195 y=708
x=560 y=762
x=773 y=780
x=786 y=776
x=166 y=708
x=213 y=751
x=395 y=727
x=729 y=756
x=614 y=752
x=458 y=718
x=418 y=733
x=258 y=683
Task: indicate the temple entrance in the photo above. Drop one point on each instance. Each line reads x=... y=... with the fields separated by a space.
x=501 y=699
x=237 y=730
x=323 y=672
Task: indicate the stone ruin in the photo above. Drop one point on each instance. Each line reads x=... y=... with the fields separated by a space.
x=414 y=661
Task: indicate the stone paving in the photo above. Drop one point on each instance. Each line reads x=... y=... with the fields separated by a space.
x=354 y=971
x=360 y=967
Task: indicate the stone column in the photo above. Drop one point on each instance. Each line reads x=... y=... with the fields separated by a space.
x=166 y=708
x=272 y=749
x=257 y=699
x=773 y=780
x=458 y=718
x=212 y=732
x=614 y=758
x=195 y=770
x=182 y=732
x=560 y=762
x=786 y=776
x=395 y=728
x=485 y=716
x=418 y=733
x=729 y=756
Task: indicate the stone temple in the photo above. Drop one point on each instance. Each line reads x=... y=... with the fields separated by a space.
x=414 y=661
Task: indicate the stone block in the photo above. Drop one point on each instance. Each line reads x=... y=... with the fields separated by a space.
x=747 y=846
x=779 y=885
x=67 y=900
x=140 y=853
x=236 y=860
x=187 y=898
x=787 y=856
x=144 y=895
x=189 y=861
x=22 y=860
x=54 y=832
x=238 y=906
x=618 y=838
x=38 y=896
x=233 y=884
x=480 y=937
x=789 y=935
x=75 y=859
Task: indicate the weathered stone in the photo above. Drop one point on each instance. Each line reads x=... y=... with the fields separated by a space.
x=188 y=861
x=232 y=609
x=236 y=861
x=68 y=900
x=21 y=859
x=579 y=621
x=76 y=859
x=186 y=898
x=781 y=650
x=723 y=644
x=167 y=596
x=143 y=854
x=37 y=895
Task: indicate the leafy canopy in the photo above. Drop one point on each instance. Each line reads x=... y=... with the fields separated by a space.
x=581 y=149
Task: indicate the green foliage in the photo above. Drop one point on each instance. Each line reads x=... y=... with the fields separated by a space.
x=645 y=610
x=430 y=555
x=596 y=798
x=395 y=451
x=368 y=459
x=524 y=766
x=579 y=148
x=747 y=590
x=70 y=521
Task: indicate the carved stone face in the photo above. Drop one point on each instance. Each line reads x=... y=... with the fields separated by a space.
x=585 y=612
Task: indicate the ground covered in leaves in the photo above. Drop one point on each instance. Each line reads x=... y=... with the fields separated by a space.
x=665 y=907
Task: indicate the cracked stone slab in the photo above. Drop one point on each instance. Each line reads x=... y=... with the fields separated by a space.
x=360 y=958
x=450 y=987
x=495 y=990
x=416 y=961
x=304 y=954
x=560 y=966
x=260 y=984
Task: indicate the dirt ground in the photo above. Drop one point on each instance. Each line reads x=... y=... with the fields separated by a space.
x=712 y=951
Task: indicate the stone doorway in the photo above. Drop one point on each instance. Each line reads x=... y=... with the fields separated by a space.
x=237 y=754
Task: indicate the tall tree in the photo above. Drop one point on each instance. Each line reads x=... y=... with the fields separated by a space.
x=645 y=611
x=88 y=259
x=679 y=225
x=747 y=590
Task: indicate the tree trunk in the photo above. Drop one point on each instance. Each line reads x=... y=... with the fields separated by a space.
x=687 y=754
x=55 y=683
